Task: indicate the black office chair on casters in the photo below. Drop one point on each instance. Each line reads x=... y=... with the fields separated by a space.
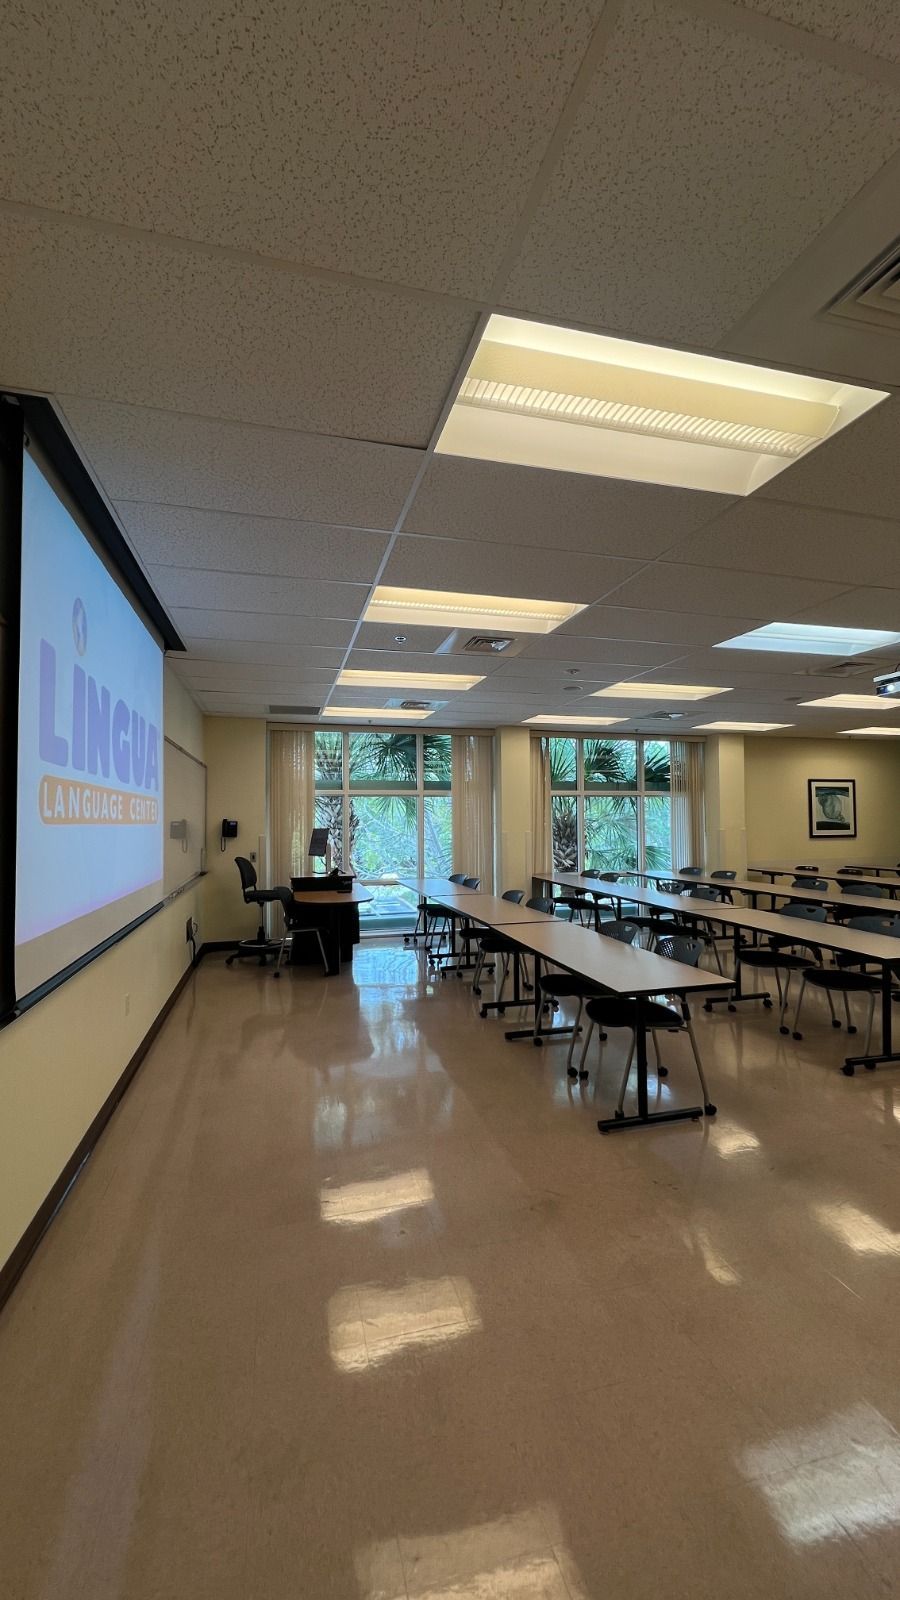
x=260 y=947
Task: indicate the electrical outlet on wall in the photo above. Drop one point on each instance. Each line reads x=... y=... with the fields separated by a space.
x=127 y=1004
x=253 y=855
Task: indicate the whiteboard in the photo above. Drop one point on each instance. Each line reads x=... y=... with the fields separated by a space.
x=184 y=853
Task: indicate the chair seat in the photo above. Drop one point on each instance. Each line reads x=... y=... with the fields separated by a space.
x=616 y=1013
x=565 y=984
x=765 y=957
x=841 y=978
x=495 y=944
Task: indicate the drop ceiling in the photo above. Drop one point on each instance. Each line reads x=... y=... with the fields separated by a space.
x=254 y=325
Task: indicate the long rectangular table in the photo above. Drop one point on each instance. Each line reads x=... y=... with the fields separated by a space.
x=880 y=949
x=886 y=879
x=862 y=905
x=621 y=970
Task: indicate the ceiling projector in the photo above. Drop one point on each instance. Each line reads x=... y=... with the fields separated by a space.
x=888 y=683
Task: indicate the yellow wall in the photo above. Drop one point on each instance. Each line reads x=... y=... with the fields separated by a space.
x=776 y=771
x=236 y=758
x=60 y=1060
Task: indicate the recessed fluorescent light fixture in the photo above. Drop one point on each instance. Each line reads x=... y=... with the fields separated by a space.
x=543 y=396
x=577 y=722
x=881 y=733
x=375 y=713
x=358 y=678
x=809 y=639
x=855 y=702
x=656 y=691
x=439 y=608
x=739 y=727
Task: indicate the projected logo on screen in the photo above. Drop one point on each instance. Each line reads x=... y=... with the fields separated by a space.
x=101 y=738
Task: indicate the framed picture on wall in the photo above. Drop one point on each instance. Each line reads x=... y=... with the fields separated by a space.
x=832 y=808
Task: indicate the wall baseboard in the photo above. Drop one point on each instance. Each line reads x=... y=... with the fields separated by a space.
x=12 y=1269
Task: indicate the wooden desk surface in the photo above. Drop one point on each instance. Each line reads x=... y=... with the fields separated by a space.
x=618 y=967
x=330 y=897
x=491 y=909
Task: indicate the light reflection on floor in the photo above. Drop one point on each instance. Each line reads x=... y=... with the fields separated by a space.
x=847 y=1478
x=367 y=1324
x=354 y=1204
x=522 y=1556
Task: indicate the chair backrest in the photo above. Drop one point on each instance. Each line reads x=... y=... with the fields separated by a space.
x=625 y=932
x=589 y=872
x=608 y=877
x=806 y=866
x=680 y=947
x=726 y=873
x=515 y=895
x=801 y=911
x=457 y=877
x=886 y=925
x=691 y=872
x=540 y=903
x=248 y=875
x=471 y=883
x=871 y=891
x=809 y=883
x=706 y=892
x=671 y=885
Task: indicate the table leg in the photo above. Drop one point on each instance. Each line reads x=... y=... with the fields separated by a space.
x=737 y=992
x=888 y=1054
x=644 y=1115
x=536 y=1033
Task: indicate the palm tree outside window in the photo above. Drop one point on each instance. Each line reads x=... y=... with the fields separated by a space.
x=611 y=807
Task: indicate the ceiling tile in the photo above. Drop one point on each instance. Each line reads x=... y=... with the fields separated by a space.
x=461 y=499
x=144 y=322
x=665 y=627
x=418 y=661
x=665 y=586
x=856 y=608
x=793 y=541
x=181 y=536
x=702 y=161
x=870 y=25
x=180 y=587
x=858 y=470
x=588 y=652
x=478 y=567
x=383 y=636
x=257 y=627
x=393 y=141
x=228 y=466
x=262 y=653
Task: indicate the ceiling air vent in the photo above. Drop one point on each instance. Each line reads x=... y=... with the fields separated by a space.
x=857 y=666
x=661 y=716
x=874 y=297
x=414 y=705
x=487 y=644
x=294 y=711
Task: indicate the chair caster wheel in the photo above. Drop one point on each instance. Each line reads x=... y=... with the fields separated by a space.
x=501 y=1011
x=619 y=1115
x=663 y=1072
x=849 y=1072
x=483 y=1011
x=798 y=1036
x=707 y=1005
x=784 y=1030
x=459 y=974
x=836 y=1024
x=572 y=1072
x=474 y=990
x=851 y=1027
x=869 y=1066
x=603 y=1038
x=767 y=1004
x=732 y=1006
x=583 y=1077
x=710 y=1110
x=537 y=1043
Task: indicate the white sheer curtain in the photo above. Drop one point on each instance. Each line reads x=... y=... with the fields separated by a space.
x=688 y=821
x=473 y=806
x=541 y=826
x=292 y=800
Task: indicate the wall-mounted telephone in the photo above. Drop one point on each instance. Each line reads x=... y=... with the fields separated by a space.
x=229 y=831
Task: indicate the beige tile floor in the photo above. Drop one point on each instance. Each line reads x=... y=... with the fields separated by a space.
x=354 y=1301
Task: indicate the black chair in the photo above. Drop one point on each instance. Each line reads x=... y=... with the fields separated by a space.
x=727 y=874
x=557 y=985
x=805 y=881
x=625 y=931
x=849 y=975
x=785 y=955
x=493 y=943
x=260 y=947
x=858 y=891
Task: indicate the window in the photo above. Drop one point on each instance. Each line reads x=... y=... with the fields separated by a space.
x=386 y=799
x=611 y=804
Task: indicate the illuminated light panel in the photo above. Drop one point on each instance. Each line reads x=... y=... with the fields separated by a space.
x=875 y=733
x=368 y=1325
x=355 y=1204
x=376 y=713
x=856 y=702
x=353 y=677
x=657 y=691
x=439 y=608
x=575 y=722
x=739 y=727
x=540 y=395
x=809 y=639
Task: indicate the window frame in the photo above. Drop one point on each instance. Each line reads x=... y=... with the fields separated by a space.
x=640 y=792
